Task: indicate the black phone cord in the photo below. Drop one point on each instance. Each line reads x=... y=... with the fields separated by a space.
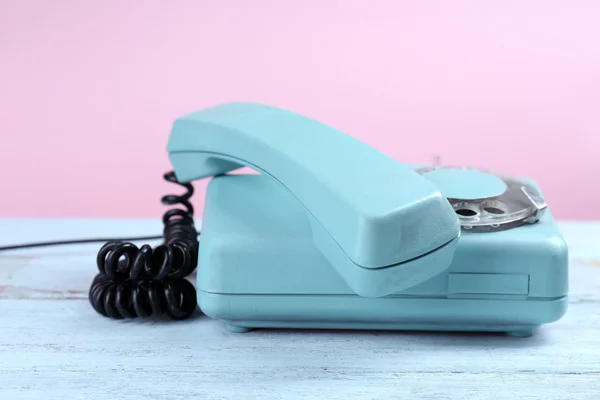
x=144 y=282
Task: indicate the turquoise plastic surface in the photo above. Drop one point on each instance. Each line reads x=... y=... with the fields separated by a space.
x=334 y=234
x=382 y=226
x=466 y=184
x=259 y=267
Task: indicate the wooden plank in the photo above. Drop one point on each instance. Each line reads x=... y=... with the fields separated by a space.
x=53 y=345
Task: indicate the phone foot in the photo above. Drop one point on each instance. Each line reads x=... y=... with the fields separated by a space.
x=521 y=333
x=237 y=329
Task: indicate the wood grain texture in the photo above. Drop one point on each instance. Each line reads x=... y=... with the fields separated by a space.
x=54 y=346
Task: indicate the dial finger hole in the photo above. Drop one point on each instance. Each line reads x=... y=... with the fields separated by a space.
x=494 y=207
x=466 y=212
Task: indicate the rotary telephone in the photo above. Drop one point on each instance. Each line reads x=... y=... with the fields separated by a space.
x=332 y=234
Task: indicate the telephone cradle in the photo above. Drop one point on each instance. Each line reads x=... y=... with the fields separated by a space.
x=333 y=234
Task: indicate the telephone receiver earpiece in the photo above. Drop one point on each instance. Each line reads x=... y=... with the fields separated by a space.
x=382 y=226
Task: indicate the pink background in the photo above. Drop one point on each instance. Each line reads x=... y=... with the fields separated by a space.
x=88 y=90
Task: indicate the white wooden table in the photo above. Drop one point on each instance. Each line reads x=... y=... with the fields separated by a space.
x=54 y=346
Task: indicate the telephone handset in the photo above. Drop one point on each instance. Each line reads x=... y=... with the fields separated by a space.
x=381 y=225
x=333 y=234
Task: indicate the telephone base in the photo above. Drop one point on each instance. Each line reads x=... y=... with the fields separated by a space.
x=513 y=331
x=259 y=267
x=242 y=313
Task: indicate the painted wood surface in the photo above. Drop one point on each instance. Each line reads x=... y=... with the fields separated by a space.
x=54 y=346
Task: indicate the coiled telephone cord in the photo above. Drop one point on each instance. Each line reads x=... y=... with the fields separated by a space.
x=144 y=282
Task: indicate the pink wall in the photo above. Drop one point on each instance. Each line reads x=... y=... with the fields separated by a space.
x=88 y=90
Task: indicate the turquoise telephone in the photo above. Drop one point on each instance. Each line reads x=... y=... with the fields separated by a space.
x=333 y=234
